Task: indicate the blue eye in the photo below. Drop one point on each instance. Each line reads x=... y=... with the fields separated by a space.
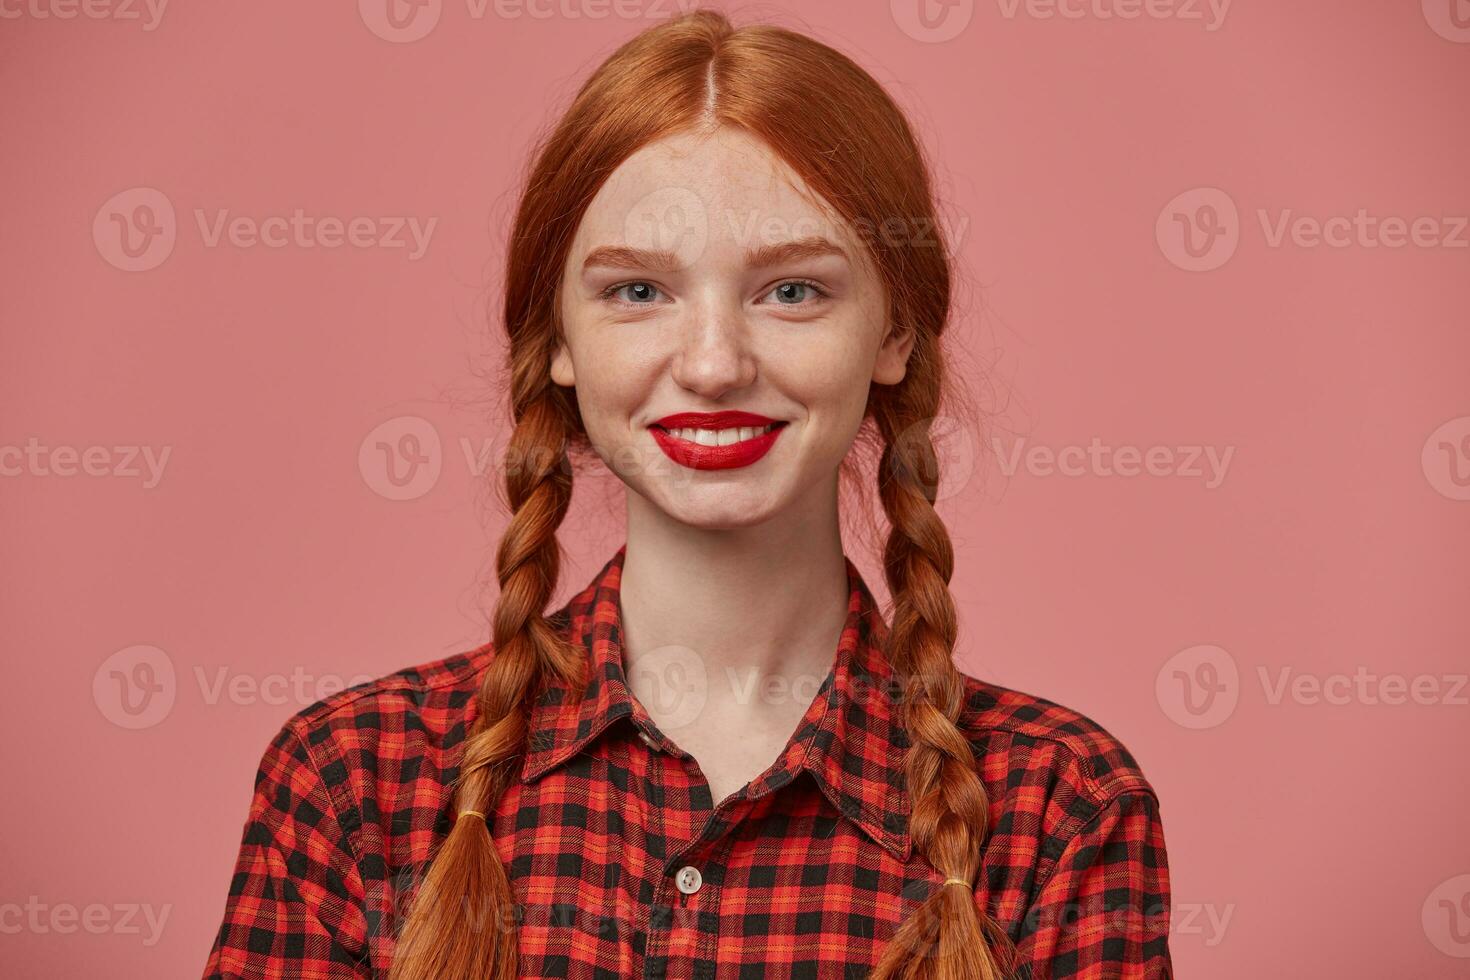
x=793 y=291
x=643 y=290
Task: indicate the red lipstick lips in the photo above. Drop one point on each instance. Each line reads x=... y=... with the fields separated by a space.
x=701 y=457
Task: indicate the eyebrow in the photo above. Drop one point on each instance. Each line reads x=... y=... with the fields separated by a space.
x=659 y=260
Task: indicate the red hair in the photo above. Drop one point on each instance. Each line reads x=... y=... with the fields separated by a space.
x=836 y=127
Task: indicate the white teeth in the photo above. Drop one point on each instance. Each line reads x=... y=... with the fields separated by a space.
x=720 y=437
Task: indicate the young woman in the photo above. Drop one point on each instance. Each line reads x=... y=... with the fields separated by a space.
x=722 y=276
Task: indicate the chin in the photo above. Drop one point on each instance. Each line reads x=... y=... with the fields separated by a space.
x=724 y=515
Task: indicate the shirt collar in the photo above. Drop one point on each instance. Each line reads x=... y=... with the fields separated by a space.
x=851 y=740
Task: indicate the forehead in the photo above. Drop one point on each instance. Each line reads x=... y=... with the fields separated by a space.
x=706 y=193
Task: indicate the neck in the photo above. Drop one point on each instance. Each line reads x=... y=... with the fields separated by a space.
x=753 y=604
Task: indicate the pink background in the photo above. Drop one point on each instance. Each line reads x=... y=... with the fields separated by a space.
x=1306 y=838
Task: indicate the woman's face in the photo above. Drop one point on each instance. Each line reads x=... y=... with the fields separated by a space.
x=703 y=279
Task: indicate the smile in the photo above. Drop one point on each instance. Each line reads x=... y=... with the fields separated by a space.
x=716 y=440
x=720 y=437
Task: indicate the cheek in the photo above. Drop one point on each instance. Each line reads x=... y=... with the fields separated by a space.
x=614 y=382
x=830 y=382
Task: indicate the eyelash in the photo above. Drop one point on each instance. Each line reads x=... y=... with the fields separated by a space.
x=611 y=291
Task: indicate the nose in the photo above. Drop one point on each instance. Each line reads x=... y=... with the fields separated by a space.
x=714 y=355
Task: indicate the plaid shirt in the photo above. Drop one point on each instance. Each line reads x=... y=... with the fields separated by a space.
x=622 y=866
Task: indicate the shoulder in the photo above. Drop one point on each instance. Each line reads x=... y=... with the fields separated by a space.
x=422 y=688
x=1021 y=738
x=386 y=745
x=1074 y=855
x=433 y=693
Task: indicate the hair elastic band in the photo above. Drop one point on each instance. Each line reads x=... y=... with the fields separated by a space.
x=957 y=881
x=472 y=813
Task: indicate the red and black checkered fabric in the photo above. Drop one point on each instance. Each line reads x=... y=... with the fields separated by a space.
x=804 y=872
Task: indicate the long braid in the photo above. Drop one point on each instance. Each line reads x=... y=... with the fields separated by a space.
x=950 y=937
x=467 y=888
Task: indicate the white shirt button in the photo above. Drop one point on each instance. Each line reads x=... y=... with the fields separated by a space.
x=688 y=879
x=648 y=741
